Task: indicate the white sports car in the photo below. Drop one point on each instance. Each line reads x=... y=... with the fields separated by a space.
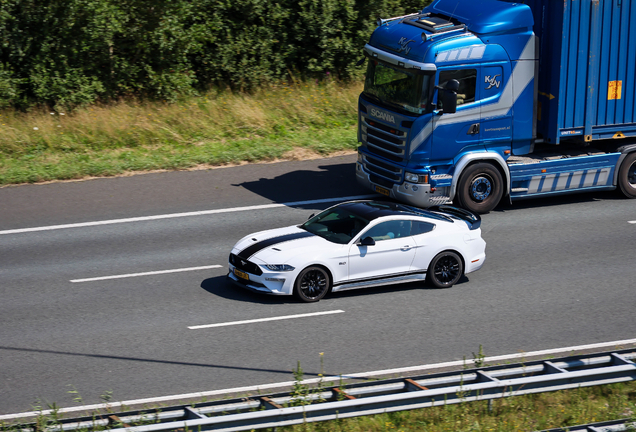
x=360 y=244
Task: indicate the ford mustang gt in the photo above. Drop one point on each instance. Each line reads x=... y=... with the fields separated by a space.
x=359 y=244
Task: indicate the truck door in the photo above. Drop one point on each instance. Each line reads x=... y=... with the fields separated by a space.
x=496 y=106
x=454 y=132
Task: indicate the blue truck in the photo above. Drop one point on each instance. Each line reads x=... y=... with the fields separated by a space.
x=475 y=101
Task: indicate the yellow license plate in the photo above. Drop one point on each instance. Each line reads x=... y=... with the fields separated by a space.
x=241 y=274
x=382 y=191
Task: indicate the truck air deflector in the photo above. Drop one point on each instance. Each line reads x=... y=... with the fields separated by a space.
x=384 y=56
x=486 y=16
x=433 y=24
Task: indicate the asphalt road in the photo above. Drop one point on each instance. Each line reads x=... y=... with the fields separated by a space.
x=559 y=272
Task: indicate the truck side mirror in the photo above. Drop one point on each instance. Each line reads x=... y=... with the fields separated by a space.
x=449 y=96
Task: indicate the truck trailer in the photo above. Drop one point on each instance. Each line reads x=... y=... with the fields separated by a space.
x=475 y=101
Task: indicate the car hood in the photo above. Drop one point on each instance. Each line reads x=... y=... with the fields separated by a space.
x=281 y=246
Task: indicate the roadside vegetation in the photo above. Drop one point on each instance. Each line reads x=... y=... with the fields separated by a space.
x=286 y=121
x=104 y=87
x=536 y=412
x=520 y=413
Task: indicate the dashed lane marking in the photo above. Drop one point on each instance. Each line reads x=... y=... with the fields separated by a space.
x=145 y=273
x=259 y=320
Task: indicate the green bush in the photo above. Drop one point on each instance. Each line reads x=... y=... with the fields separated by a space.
x=69 y=53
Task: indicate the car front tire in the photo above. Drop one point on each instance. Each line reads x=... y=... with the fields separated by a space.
x=312 y=284
x=445 y=270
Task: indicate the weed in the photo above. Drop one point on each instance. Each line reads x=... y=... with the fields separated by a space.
x=479 y=358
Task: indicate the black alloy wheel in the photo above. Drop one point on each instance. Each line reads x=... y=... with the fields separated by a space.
x=312 y=284
x=445 y=270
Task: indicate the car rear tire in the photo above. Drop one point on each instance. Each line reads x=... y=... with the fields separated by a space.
x=627 y=176
x=445 y=270
x=312 y=284
x=480 y=188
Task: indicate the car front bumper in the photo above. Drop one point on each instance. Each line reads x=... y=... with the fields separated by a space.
x=275 y=283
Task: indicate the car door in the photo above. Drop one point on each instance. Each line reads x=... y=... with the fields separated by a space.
x=392 y=253
x=426 y=242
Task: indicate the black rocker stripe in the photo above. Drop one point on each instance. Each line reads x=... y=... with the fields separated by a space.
x=378 y=278
x=256 y=247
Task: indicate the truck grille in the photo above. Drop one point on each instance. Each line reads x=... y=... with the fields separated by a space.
x=385 y=141
x=388 y=143
x=246 y=266
x=383 y=170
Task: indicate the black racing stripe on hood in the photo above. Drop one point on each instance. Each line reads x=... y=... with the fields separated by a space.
x=256 y=247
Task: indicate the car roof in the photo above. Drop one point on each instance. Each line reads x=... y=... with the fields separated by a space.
x=370 y=210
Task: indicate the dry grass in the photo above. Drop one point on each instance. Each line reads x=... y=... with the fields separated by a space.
x=214 y=129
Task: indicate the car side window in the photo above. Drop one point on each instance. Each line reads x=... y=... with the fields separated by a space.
x=419 y=227
x=467 y=79
x=389 y=230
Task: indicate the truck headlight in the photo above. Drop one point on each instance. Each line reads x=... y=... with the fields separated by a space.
x=415 y=178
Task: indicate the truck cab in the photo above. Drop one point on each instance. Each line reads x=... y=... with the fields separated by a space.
x=450 y=109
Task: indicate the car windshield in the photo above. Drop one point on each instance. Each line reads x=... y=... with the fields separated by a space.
x=336 y=225
x=397 y=87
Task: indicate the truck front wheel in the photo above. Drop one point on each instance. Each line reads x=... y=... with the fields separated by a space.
x=480 y=188
x=627 y=176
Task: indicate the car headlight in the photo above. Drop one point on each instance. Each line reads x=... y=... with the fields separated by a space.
x=279 y=267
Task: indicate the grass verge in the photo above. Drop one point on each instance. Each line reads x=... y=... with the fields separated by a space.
x=519 y=413
x=288 y=121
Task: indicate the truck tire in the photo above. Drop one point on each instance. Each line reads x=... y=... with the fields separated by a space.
x=627 y=176
x=480 y=188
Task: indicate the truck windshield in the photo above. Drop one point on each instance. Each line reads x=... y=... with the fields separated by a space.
x=397 y=87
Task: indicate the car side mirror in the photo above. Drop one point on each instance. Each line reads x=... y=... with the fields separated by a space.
x=367 y=241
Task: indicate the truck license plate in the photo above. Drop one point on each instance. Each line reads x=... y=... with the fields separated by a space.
x=241 y=274
x=382 y=191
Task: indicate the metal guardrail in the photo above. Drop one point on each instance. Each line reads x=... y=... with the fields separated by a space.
x=376 y=397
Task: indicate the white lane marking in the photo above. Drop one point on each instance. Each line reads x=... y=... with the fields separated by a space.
x=179 y=215
x=313 y=314
x=631 y=222
x=258 y=388
x=146 y=273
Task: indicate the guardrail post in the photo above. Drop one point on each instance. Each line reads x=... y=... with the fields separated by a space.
x=268 y=403
x=337 y=394
x=552 y=368
x=411 y=385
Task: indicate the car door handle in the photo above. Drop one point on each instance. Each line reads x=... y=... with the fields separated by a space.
x=405 y=248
